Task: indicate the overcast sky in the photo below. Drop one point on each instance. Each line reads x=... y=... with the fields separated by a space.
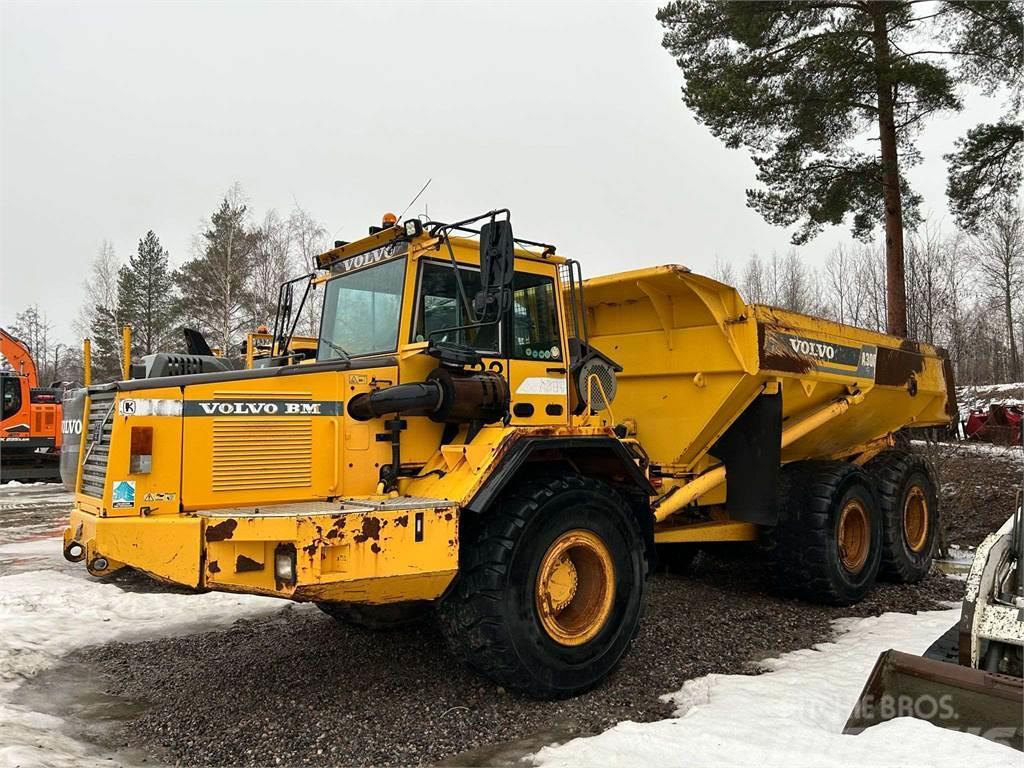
x=116 y=119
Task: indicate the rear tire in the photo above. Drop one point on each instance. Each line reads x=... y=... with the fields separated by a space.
x=909 y=504
x=377 y=617
x=551 y=587
x=827 y=546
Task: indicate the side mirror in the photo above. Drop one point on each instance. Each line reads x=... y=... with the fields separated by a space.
x=497 y=265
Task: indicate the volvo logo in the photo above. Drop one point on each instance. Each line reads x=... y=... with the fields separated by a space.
x=259 y=408
x=816 y=349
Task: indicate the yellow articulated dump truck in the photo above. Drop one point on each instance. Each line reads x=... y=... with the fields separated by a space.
x=479 y=433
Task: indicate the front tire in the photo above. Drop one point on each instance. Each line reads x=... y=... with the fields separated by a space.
x=827 y=546
x=551 y=587
x=908 y=500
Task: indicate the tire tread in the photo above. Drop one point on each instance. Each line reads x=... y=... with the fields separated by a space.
x=470 y=615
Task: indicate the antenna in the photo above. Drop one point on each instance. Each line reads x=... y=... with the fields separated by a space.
x=422 y=190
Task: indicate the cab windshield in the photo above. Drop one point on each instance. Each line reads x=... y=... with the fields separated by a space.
x=361 y=312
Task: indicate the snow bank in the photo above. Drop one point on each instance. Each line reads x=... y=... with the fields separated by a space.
x=981 y=396
x=793 y=715
x=44 y=614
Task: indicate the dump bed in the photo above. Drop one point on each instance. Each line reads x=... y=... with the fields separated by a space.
x=694 y=355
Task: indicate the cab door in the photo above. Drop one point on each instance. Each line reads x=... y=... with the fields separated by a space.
x=536 y=348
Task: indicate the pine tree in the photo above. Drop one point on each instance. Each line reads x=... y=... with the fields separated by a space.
x=803 y=84
x=145 y=296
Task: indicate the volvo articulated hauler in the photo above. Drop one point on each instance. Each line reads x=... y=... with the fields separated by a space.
x=480 y=432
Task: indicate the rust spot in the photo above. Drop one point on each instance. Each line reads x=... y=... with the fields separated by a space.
x=221 y=531
x=448 y=516
x=895 y=367
x=375 y=547
x=214 y=568
x=332 y=534
x=310 y=549
x=244 y=564
x=371 y=529
x=402 y=520
x=776 y=355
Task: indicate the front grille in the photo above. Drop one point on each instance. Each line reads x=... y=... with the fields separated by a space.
x=97 y=443
x=254 y=454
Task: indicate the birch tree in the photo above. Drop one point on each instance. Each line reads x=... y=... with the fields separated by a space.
x=999 y=252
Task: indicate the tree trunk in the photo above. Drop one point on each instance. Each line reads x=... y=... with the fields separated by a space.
x=895 y=283
x=1008 y=307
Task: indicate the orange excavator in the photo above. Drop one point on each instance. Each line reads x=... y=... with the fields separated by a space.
x=30 y=423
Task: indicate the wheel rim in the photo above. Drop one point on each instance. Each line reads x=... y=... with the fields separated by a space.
x=854 y=536
x=915 y=519
x=575 y=587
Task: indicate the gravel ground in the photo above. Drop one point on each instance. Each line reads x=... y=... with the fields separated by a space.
x=979 y=484
x=297 y=689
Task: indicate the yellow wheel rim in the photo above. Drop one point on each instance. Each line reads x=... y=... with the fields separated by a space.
x=575 y=587
x=915 y=519
x=854 y=536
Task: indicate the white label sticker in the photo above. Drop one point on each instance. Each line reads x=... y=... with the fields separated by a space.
x=149 y=407
x=542 y=385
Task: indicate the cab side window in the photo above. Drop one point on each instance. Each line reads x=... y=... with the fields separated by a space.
x=535 y=333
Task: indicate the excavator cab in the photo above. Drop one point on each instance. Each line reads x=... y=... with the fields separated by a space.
x=31 y=415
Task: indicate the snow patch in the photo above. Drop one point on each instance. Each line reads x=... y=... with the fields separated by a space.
x=792 y=715
x=45 y=614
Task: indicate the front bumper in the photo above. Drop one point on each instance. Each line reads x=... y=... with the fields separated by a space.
x=361 y=551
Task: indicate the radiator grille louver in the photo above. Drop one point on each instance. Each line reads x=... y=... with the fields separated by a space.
x=253 y=454
x=97 y=444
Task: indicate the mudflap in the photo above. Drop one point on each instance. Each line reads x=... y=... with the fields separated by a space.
x=944 y=694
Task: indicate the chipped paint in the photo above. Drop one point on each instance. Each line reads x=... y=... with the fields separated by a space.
x=371 y=529
x=221 y=531
x=246 y=564
x=897 y=367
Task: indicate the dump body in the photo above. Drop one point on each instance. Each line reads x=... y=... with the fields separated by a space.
x=694 y=355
